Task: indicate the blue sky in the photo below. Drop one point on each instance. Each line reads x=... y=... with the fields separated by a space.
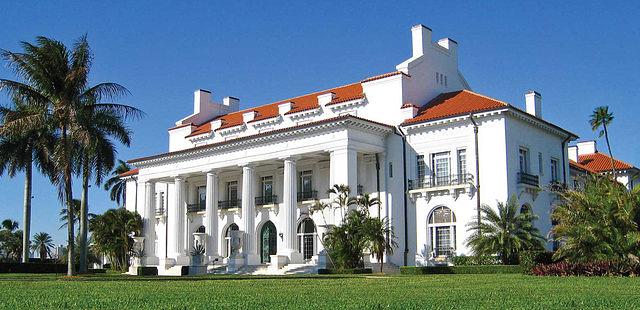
x=577 y=54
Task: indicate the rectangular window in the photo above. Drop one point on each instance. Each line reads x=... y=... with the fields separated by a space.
x=554 y=170
x=390 y=170
x=445 y=80
x=202 y=196
x=462 y=164
x=306 y=181
x=267 y=186
x=422 y=169
x=441 y=167
x=540 y=165
x=524 y=160
x=232 y=191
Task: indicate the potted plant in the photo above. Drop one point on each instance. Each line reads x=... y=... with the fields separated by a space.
x=197 y=255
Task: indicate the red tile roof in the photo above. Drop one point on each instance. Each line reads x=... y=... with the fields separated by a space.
x=601 y=163
x=580 y=166
x=299 y=104
x=129 y=173
x=382 y=76
x=454 y=104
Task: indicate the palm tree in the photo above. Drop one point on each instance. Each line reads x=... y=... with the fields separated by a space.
x=43 y=243
x=116 y=185
x=506 y=232
x=10 y=239
x=56 y=80
x=111 y=233
x=365 y=202
x=64 y=219
x=601 y=117
x=97 y=159
x=342 y=199
x=19 y=152
x=380 y=237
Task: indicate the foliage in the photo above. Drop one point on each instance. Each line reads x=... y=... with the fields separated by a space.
x=116 y=185
x=32 y=268
x=10 y=241
x=506 y=232
x=380 y=238
x=55 y=82
x=342 y=199
x=42 y=243
x=601 y=117
x=346 y=271
x=64 y=219
x=599 y=268
x=347 y=242
x=112 y=232
x=598 y=223
x=197 y=250
x=474 y=260
x=477 y=269
x=530 y=259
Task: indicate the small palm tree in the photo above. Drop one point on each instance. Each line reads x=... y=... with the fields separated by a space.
x=10 y=225
x=116 y=186
x=43 y=243
x=506 y=232
x=601 y=117
x=365 y=202
x=342 y=200
x=10 y=243
x=381 y=238
x=64 y=219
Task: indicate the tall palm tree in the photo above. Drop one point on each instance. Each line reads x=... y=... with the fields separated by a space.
x=19 y=152
x=601 y=117
x=64 y=219
x=506 y=232
x=97 y=159
x=381 y=238
x=43 y=243
x=116 y=185
x=55 y=79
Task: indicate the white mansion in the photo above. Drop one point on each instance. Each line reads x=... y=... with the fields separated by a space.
x=418 y=138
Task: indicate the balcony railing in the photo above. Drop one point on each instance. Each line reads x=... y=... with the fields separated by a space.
x=195 y=207
x=229 y=204
x=309 y=195
x=529 y=179
x=434 y=182
x=266 y=200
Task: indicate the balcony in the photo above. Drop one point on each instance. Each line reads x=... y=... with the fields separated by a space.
x=309 y=195
x=229 y=204
x=442 y=181
x=195 y=207
x=528 y=179
x=266 y=200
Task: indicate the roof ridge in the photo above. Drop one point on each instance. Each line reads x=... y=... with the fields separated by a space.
x=487 y=97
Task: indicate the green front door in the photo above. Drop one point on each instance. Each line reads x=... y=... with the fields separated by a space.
x=269 y=243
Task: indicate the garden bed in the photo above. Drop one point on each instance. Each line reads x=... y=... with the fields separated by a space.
x=475 y=269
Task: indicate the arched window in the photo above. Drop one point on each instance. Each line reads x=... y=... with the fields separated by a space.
x=227 y=238
x=306 y=238
x=442 y=231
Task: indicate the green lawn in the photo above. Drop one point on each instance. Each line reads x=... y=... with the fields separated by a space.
x=313 y=292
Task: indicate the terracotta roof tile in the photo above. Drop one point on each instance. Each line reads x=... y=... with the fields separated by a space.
x=454 y=104
x=129 y=173
x=601 y=163
x=382 y=76
x=580 y=166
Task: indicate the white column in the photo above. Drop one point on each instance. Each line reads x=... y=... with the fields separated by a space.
x=249 y=215
x=211 y=204
x=149 y=221
x=290 y=211
x=177 y=217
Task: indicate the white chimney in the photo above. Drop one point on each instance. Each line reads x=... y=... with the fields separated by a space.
x=450 y=45
x=420 y=39
x=408 y=111
x=284 y=107
x=323 y=99
x=201 y=98
x=586 y=147
x=232 y=103
x=573 y=153
x=533 y=101
x=215 y=124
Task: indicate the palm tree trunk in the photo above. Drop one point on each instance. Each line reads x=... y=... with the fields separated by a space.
x=83 y=215
x=381 y=261
x=68 y=193
x=26 y=216
x=606 y=137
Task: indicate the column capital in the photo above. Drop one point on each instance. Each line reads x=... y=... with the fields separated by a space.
x=178 y=178
x=290 y=158
x=211 y=172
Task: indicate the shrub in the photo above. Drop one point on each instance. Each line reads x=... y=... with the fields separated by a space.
x=602 y=268
x=530 y=259
x=478 y=269
x=33 y=268
x=475 y=260
x=346 y=271
x=147 y=271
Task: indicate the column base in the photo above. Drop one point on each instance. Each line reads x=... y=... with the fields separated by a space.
x=294 y=257
x=149 y=261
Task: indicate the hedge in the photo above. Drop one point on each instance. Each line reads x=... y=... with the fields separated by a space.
x=531 y=259
x=474 y=260
x=345 y=271
x=33 y=268
x=476 y=269
x=147 y=271
x=602 y=268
